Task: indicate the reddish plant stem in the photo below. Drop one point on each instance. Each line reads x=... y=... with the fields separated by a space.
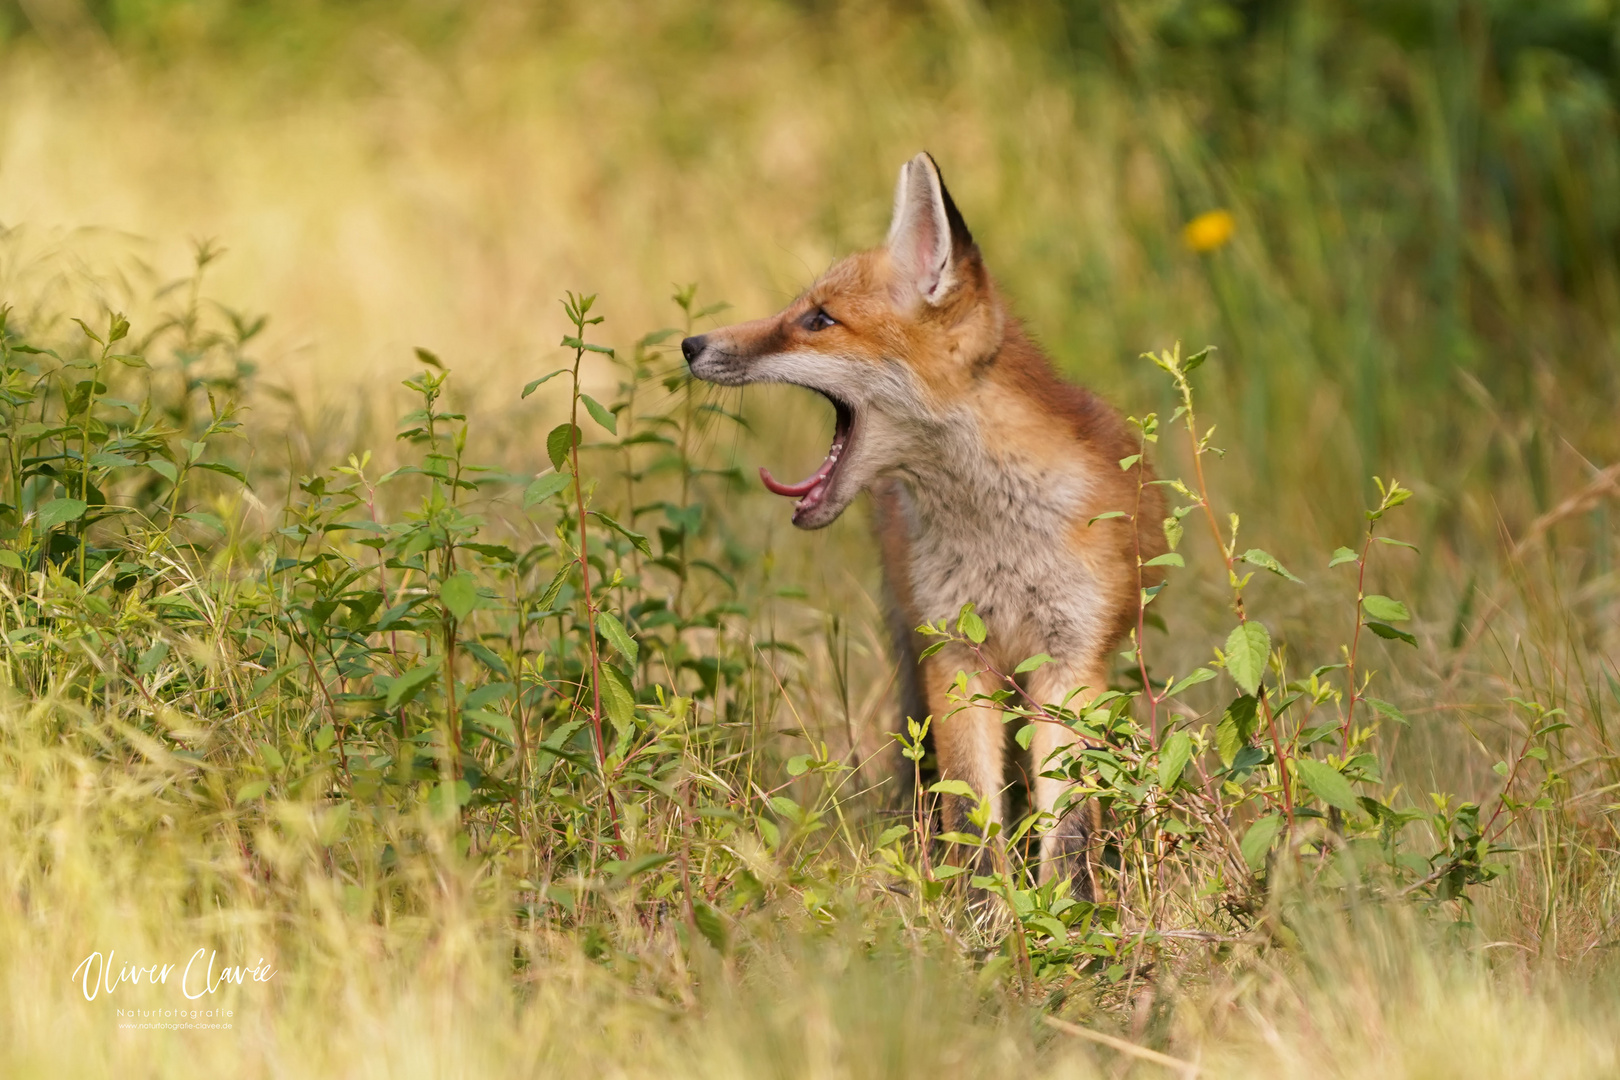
x=1513 y=774
x=590 y=613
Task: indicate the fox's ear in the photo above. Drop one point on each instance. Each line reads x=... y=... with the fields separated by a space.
x=927 y=238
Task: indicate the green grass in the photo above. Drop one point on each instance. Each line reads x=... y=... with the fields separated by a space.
x=340 y=712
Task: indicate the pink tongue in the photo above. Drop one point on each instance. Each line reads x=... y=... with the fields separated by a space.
x=795 y=490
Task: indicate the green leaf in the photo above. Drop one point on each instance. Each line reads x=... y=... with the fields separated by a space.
x=1247 y=648
x=1032 y=663
x=1169 y=558
x=1127 y=462
x=893 y=833
x=1382 y=607
x=1173 y=758
x=1199 y=675
x=954 y=787
x=544 y=488
x=59 y=512
x=203 y=517
x=163 y=468
x=221 y=467
x=542 y=380
x=459 y=594
x=575 y=343
x=1173 y=530
x=599 y=414
x=711 y=924
x=1342 y=555
x=970 y=625
x=626 y=869
x=629 y=534
x=1264 y=560
x=612 y=629
x=967 y=839
x=1107 y=517
x=1257 y=841
x=558 y=580
x=398 y=612
x=1236 y=727
x=251 y=790
x=618 y=700
x=1388 y=710
x=410 y=683
x=563 y=438
x=1327 y=784
x=1384 y=630
x=10 y=559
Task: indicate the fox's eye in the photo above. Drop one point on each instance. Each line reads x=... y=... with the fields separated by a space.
x=818 y=320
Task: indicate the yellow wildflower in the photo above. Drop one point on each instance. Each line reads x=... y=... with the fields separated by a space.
x=1209 y=230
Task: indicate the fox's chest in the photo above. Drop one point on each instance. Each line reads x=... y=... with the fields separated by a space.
x=1006 y=549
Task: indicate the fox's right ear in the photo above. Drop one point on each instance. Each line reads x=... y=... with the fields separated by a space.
x=927 y=238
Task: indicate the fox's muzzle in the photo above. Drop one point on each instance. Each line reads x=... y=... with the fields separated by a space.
x=710 y=361
x=692 y=347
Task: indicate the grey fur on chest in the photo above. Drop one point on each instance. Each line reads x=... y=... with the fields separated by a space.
x=995 y=535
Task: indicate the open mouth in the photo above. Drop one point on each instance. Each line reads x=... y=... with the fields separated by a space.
x=813 y=489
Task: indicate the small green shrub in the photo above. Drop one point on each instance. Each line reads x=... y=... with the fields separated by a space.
x=554 y=681
x=1220 y=812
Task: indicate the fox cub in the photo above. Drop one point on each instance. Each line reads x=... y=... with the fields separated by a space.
x=986 y=471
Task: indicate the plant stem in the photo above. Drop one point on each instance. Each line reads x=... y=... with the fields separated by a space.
x=1355 y=640
x=1225 y=549
x=590 y=604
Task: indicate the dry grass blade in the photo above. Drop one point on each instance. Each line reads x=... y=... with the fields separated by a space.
x=1606 y=482
x=1185 y=1068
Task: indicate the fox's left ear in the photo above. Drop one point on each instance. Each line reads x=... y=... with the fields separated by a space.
x=927 y=238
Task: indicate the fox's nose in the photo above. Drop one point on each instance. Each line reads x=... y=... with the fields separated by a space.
x=693 y=346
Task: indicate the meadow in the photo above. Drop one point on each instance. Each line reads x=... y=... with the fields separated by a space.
x=384 y=612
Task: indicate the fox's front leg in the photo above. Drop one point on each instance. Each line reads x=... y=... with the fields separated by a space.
x=1066 y=848
x=968 y=737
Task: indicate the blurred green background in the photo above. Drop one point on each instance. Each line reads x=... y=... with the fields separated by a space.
x=1426 y=193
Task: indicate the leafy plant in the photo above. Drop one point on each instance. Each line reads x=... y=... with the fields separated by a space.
x=1211 y=810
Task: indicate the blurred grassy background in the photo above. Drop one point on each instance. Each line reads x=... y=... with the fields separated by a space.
x=1423 y=279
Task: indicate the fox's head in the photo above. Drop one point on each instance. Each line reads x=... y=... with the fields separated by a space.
x=890 y=336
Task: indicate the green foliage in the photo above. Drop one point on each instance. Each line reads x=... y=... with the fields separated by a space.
x=445 y=660
x=562 y=693
x=1214 y=817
